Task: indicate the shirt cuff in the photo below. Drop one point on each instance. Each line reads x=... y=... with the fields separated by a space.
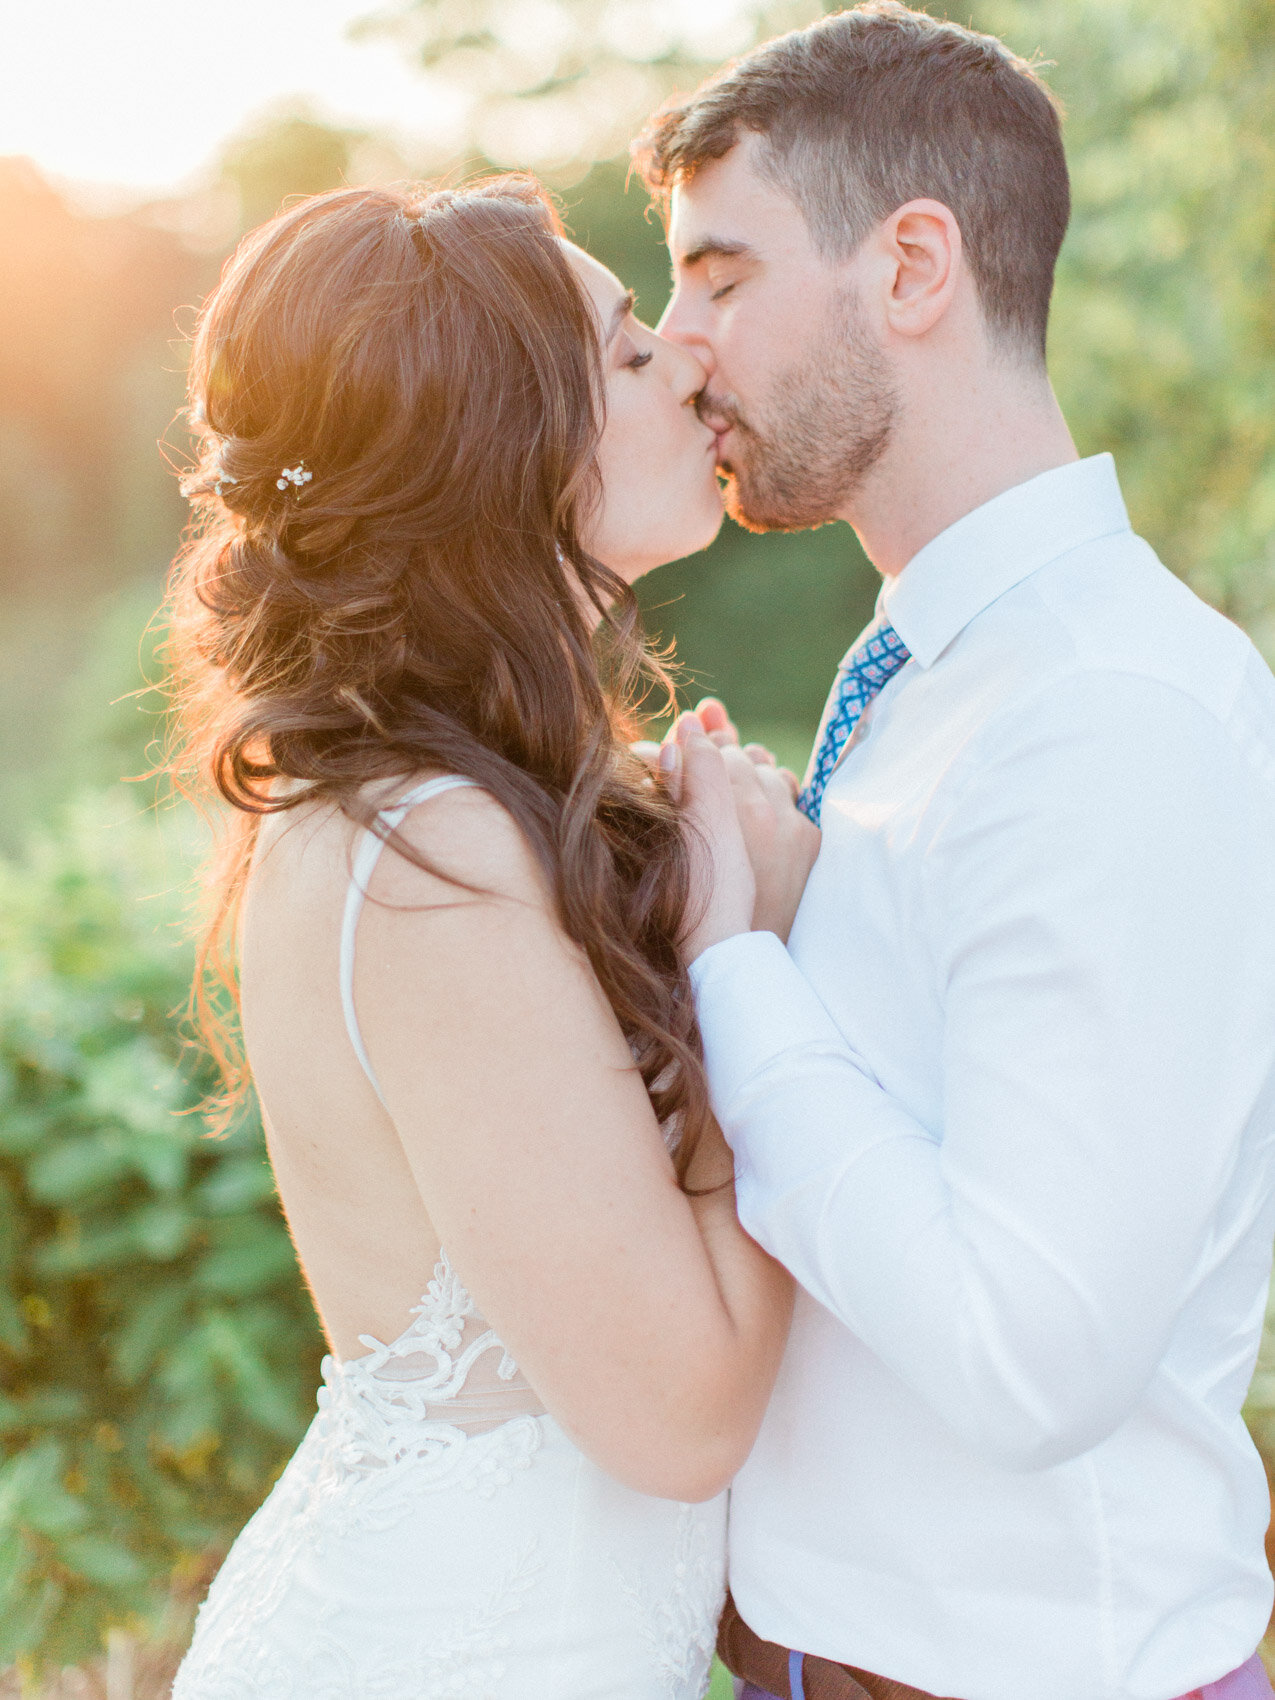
x=755 y=1005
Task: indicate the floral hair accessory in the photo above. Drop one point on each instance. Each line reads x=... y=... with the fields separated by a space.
x=294 y=475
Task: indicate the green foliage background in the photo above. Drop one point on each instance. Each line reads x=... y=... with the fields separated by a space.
x=158 y=1357
x=158 y=1354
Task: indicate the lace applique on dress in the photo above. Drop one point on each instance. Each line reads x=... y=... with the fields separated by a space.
x=442 y=1405
x=679 y=1622
x=442 y=1359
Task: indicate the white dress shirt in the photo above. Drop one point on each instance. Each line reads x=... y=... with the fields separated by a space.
x=1006 y=1108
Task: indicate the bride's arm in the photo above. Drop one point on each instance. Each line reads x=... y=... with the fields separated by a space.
x=647 y=1321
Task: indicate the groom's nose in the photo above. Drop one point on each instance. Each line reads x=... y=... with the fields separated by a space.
x=682 y=324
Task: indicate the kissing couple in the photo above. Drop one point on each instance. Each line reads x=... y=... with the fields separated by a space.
x=895 y=1151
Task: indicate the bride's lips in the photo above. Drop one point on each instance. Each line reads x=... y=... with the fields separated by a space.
x=720 y=427
x=714 y=436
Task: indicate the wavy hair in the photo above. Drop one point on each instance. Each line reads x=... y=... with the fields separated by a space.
x=423 y=600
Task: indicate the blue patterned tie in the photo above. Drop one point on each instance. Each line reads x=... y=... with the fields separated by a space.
x=876 y=660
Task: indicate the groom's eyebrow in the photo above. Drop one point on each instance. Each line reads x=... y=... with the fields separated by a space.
x=716 y=248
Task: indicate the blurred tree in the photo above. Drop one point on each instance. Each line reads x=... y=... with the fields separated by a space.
x=554 y=83
x=91 y=381
x=86 y=307
x=1163 y=340
x=288 y=154
x=91 y=360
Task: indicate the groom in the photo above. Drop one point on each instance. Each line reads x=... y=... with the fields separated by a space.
x=1006 y=1105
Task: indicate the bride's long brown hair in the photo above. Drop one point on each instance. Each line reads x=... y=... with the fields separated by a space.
x=422 y=599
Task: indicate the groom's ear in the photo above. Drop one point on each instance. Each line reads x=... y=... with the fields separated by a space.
x=917 y=255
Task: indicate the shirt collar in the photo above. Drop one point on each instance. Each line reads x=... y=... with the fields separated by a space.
x=964 y=569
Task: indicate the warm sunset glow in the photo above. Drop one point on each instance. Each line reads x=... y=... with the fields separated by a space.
x=141 y=92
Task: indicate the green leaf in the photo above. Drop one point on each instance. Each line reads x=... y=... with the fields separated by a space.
x=105 y=1562
x=112 y=1245
x=32 y=1494
x=247 y=1256
x=74 y=1170
x=235 y=1185
x=25 y=1626
x=162 y=1230
x=147 y=1329
x=24 y=1131
x=135 y=1085
x=252 y=1376
x=46 y=1409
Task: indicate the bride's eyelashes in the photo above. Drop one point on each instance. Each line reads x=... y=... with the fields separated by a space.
x=628 y=356
x=725 y=289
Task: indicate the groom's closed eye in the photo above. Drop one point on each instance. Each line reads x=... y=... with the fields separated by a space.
x=715 y=248
x=721 y=264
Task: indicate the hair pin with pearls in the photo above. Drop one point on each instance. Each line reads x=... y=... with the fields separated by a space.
x=294 y=475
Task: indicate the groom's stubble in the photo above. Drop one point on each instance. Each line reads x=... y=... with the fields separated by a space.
x=797 y=456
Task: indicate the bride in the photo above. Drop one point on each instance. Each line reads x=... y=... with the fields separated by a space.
x=437 y=449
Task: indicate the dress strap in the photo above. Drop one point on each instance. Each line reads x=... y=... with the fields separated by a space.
x=367 y=853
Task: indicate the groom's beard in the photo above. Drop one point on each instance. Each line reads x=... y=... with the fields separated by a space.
x=810 y=443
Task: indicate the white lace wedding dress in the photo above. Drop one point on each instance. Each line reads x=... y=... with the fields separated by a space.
x=436 y=1535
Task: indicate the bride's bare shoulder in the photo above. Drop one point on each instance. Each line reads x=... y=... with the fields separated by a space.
x=459 y=844
x=465 y=834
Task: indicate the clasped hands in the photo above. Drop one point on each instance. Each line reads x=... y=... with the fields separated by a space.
x=751 y=848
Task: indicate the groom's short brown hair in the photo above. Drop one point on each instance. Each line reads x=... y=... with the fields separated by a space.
x=873 y=107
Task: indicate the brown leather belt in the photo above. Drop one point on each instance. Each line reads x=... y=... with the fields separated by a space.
x=765 y=1665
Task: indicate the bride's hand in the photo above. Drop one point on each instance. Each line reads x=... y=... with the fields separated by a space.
x=751 y=848
x=722 y=887
x=781 y=842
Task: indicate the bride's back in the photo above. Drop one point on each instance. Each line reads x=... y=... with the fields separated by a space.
x=361 y=1231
